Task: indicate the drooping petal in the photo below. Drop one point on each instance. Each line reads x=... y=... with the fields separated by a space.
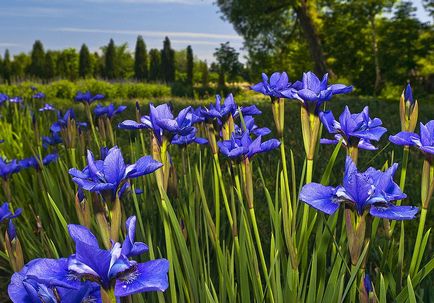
x=319 y=197
x=393 y=212
x=404 y=138
x=148 y=276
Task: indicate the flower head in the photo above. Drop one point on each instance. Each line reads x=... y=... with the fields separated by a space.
x=178 y=130
x=251 y=127
x=6 y=214
x=64 y=120
x=16 y=100
x=312 y=90
x=110 y=176
x=36 y=163
x=278 y=86
x=245 y=147
x=108 y=267
x=424 y=142
x=47 y=107
x=371 y=191
x=354 y=129
x=87 y=97
x=3 y=98
x=110 y=111
x=47 y=280
x=39 y=95
x=8 y=168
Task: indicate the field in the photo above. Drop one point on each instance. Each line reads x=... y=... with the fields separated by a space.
x=187 y=220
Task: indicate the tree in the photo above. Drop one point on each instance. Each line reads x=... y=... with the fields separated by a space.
x=6 y=68
x=140 y=60
x=189 y=65
x=154 y=65
x=20 y=66
x=67 y=64
x=429 y=6
x=204 y=74
x=109 y=60
x=84 y=62
x=36 y=68
x=167 y=62
x=50 y=65
x=269 y=25
x=98 y=66
x=228 y=63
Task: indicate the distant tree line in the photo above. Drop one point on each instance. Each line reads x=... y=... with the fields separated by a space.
x=180 y=68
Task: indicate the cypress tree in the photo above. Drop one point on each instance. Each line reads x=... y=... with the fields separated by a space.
x=98 y=67
x=167 y=62
x=36 y=68
x=84 y=62
x=110 y=58
x=140 y=60
x=205 y=76
x=189 y=65
x=50 y=65
x=154 y=65
x=7 y=70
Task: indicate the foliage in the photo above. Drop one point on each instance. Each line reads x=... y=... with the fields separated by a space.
x=140 y=60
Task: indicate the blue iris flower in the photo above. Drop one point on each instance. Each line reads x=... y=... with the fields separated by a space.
x=39 y=95
x=36 y=163
x=371 y=191
x=110 y=111
x=47 y=107
x=244 y=147
x=54 y=139
x=278 y=86
x=63 y=121
x=312 y=90
x=222 y=111
x=87 y=97
x=424 y=142
x=6 y=214
x=3 y=98
x=8 y=168
x=47 y=281
x=111 y=175
x=354 y=129
x=108 y=267
x=161 y=121
x=16 y=100
x=249 y=122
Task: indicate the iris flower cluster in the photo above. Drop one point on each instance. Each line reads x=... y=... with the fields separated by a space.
x=423 y=142
x=356 y=130
x=163 y=124
x=82 y=276
x=87 y=97
x=109 y=111
x=109 y=177
x=371 y=191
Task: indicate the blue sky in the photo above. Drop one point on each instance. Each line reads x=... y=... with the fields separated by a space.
x=69 y=23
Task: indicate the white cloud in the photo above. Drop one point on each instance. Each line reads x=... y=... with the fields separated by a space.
x=157 y=34
x=9 y=44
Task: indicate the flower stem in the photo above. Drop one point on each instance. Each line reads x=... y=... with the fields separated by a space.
x=92 y=126
x=401 y=182
x=416 y=252
x=168 y=236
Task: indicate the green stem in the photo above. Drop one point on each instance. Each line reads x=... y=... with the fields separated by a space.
x=416 y=252
x=226 y=202
x=401 y=182
x=92 y=126
x=217 y=200
x=169 y=252
x=309 y=171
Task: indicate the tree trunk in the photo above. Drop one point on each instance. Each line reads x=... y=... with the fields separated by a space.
x=312 y=38
x=375 y=53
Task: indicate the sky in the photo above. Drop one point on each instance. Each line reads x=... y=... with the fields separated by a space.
x=69 y=23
